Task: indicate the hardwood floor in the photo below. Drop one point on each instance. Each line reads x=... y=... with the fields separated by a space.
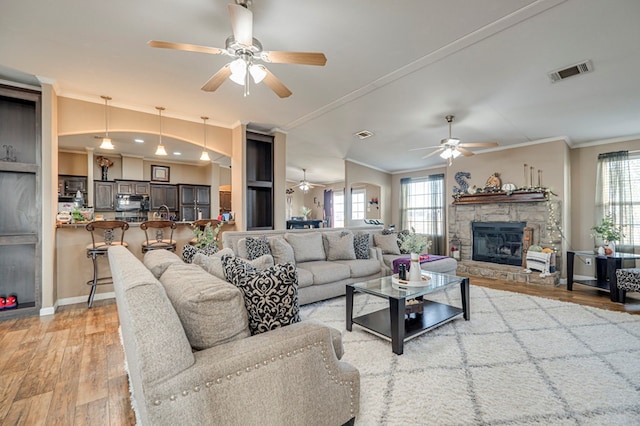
x=68 y=369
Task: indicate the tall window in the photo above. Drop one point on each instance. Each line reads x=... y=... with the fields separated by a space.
x=422 y=208
x=357 y=204
x=338 y=209
x=617 y=192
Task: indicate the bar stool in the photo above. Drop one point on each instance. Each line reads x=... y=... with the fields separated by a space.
x=202 y=223
x=158 y=241
x=100 y=245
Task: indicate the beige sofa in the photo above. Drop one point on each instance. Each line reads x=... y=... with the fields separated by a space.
x=324 y=278
x=169 y=311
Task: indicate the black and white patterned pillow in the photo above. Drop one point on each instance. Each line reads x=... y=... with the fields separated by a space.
x=401 y=236
x=257 y=247
x=189 y=251
x=270 y=296
x=234 y=268
x=361 y=245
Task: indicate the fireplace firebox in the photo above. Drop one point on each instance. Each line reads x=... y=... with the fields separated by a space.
x=498 y=242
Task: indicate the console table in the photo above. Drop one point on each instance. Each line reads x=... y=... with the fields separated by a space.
x=606 y=267
x=295 y=224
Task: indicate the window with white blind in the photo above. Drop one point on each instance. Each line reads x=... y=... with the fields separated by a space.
x=357 y=204
x=338 y=209
x=422 y=207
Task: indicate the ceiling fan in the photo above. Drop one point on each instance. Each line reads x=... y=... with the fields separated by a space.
x=304 y=184
x=247 y=52
x=451 y=148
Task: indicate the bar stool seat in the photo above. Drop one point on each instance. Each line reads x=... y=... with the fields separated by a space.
x=158 y=240
x=99 y=246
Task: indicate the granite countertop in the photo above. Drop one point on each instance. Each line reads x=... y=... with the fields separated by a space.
x=82 y=225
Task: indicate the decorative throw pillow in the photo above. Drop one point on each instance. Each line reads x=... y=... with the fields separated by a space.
x=361 y=245
x=281 y=250
x=387 y=243
x=257 y=247
x=401 y=236
x=189 y=251
x=339 y=246
x=213 y=263
x=307 y=246
x=270 y=296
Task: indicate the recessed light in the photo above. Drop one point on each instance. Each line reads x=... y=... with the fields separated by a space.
x=177 y=153
x=138 y=140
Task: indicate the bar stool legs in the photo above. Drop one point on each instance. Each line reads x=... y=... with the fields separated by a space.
x=96 y=281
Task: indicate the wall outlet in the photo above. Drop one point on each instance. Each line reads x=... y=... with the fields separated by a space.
x=587 y=261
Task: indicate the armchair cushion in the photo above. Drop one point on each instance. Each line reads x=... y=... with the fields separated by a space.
x=270 y=296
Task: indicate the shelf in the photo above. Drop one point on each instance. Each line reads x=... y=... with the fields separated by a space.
x=501 y=197
x=9 y=166
x=602 y=285
x=18 y=239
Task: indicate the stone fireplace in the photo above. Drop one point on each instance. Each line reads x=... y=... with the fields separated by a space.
x=497 y=242
x=534 y=215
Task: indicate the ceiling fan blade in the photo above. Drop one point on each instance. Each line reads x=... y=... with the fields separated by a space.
x=302 y=58
x=185 y=46
x=478 y=144
x=315 y=184
x=433 y=153
x=242 y=24
x=217 y=79
x=425 y=147
x=276 y=85
x=464 y=152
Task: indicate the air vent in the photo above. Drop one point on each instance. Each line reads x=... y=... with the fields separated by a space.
x=363 y=134
x=570 y=71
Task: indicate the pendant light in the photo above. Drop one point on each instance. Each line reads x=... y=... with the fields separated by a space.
x=205 y=154
x=106 y=141
x=160 y=150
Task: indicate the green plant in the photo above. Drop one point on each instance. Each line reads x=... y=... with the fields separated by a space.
x=206 y=236
x=305 y=211
x=607 y=230
x=414 y=243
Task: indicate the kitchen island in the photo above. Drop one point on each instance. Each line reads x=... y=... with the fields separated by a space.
x=74 y=268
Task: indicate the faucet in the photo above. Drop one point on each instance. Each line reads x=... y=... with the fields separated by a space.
x=166 y=208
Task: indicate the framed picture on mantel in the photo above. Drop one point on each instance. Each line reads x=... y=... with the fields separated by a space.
x=160 y=173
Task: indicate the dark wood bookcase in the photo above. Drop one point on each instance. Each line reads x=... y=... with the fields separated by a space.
x=259 y=186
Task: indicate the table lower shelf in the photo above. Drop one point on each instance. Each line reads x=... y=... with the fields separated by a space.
x=600 y=284
x=434 y=315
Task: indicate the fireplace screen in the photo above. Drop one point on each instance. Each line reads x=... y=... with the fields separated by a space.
x=498 y=242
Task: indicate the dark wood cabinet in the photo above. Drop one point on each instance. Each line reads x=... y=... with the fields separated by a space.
x=132 y=187
x=104 y=196
x=259 y=184
x=160 y=195
x=225 y=201
x=21 y=205
x=194 y=199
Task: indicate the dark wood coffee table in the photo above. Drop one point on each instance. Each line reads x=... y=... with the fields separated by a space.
x=390 y=323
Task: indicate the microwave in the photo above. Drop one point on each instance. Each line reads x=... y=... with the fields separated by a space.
x=128 y=202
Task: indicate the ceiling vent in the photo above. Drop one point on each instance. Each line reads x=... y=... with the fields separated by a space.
x=363 y=134
x=570 y=71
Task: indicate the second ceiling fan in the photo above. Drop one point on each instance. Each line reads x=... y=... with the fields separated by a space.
x=247 y=52
x=304 y=184
x=451 y=148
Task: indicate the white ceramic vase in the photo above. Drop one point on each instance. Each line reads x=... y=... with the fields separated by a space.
x=415 y=273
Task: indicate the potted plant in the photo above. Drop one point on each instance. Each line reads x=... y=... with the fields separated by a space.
x=414 y=243
x=305 y=212
x=206 y=241
x=609 y=232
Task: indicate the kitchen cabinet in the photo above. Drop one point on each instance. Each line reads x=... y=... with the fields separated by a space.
x=259 y=183
x=194 y=199
x=225 y=201
x=163 y=195
x=132 y=187
x=104 y=196
x=21 y=206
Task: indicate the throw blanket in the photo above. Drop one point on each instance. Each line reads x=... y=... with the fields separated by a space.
x=407 y=260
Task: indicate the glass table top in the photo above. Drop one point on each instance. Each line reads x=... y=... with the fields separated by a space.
x=384 y=287
x=616 y=255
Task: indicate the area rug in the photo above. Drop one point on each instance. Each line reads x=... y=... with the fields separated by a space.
x=520 y=360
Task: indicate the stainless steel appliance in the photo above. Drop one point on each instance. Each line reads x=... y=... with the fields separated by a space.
x=130 y=203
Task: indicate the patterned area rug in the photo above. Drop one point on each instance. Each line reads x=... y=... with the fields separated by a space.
x=521 y=360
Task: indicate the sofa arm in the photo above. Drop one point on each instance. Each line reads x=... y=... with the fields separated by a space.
x=383 y=266
x=290 y=375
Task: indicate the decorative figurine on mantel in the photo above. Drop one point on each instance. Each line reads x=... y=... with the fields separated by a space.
x=104 y=164
x=460 y=179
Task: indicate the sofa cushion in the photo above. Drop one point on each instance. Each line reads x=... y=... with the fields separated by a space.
x=362 y=267
x=157 y=261
x=256 y=247
x=281 y=250
x=270 y=296
x=339 y=245
x=211 y=310
x=326 y=272
x=306 y=246
x=305 y=278
x=388 y=243
x=213 y=264
x=361 y=245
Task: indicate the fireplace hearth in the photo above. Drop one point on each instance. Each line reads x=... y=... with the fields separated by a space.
x=498 y=242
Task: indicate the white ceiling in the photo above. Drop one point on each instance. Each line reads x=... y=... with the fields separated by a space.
x=394 y=68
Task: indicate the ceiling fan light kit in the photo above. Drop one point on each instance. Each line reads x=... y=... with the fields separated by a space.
x=304 y=184
x=106 y=141
x=160 y=150
x=246 y=50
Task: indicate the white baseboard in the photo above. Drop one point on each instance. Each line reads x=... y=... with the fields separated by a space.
x=83 y=299
x=49 y=311
x=583 y=277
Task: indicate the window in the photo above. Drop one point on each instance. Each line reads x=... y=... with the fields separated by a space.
x=422 y=208
x=357 y=204
x=338 y=209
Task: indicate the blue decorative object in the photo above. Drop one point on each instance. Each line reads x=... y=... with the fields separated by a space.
x=459 y=177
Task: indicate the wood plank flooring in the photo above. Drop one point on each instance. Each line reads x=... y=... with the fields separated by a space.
x=68 y=369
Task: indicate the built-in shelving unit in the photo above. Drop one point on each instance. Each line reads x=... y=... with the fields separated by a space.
x=21 y=206
x=259 y=186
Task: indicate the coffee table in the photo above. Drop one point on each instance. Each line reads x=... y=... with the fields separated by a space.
x=390 y=323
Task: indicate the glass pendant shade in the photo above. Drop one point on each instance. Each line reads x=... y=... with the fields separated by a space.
x=205 y=155
x=106 y=141
x=106 y=144
x=238 y=71
x=258 y=73
x=160 y=150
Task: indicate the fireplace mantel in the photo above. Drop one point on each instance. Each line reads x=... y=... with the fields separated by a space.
x=500 y=197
